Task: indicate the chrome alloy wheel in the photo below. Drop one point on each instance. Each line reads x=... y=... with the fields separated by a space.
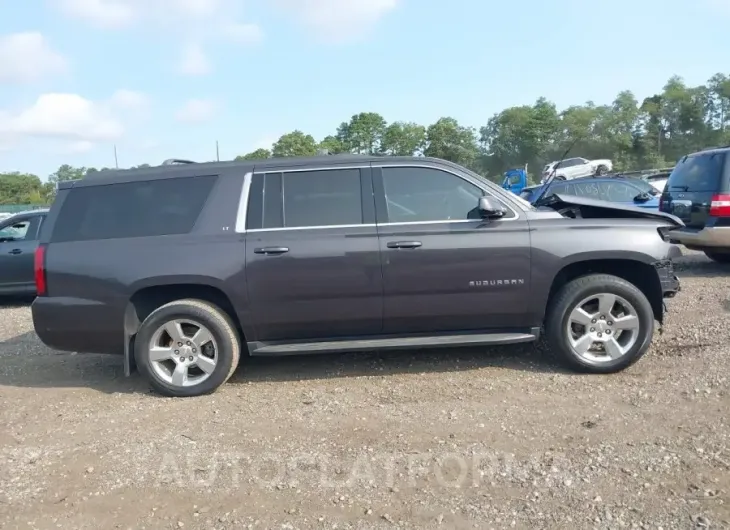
x=602 y=328
x=183 y=353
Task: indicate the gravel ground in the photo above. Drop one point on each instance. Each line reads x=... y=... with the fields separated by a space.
x=498 y=438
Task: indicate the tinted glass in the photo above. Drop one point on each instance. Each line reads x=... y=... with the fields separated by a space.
x=322 y=198
x=643 y=185
x=565 y=188
x=617 y=192
x=132 y=209
x=426 y=194
x=697 y=173
x=588 y=189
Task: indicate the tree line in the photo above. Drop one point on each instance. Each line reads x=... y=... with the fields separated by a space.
x=635 y=134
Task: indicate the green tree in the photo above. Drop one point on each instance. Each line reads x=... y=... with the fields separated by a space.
x=448 y=140
x=332 y=145
x=21 y=188
x=363 y=134
x=295 y=143
x=403 y=139
x=258 y=154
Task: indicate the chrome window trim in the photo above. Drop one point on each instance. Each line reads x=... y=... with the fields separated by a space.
x=243 y=203
x=248 y=178
x=299 y=170
x=467 y=178
x=322 y=227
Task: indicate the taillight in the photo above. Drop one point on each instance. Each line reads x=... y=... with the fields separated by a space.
x=720 y=205
x=39 y=269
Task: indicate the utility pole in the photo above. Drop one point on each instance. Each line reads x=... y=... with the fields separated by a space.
x=116 y=159
x=217 y=152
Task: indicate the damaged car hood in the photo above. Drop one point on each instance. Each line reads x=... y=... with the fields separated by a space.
x=573 y=206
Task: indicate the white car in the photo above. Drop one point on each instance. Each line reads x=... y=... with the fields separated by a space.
x=571 y=168
x=659 y=181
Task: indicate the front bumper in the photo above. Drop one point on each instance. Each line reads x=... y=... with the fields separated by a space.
x=667 y=278
x=708 y=237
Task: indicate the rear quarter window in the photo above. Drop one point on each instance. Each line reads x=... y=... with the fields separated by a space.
x=702 y=172
x=132 y=209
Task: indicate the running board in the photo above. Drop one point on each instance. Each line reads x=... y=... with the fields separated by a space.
x=390 y=343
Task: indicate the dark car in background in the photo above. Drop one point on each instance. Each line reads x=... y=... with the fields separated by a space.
x=698 y=192
x=622 y=190
x=18 y=241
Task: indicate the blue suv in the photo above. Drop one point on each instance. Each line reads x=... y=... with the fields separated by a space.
x=623 y=190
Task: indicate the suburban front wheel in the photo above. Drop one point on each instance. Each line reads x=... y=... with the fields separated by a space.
x=187 y=348
x=599 y=323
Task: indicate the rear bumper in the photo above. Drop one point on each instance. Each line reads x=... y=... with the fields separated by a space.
x=78 y=325
x=708 y=237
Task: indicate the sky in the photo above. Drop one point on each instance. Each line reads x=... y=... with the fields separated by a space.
x=165 y=79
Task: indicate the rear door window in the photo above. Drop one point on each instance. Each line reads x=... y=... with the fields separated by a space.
x=331 y=197
x=132 y=209
x=702 y=172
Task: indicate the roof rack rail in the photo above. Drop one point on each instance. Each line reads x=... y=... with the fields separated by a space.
x=175 y=161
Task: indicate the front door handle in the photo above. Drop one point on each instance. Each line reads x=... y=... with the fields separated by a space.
x=271 y=251
x=404 y=244
x=15 y=251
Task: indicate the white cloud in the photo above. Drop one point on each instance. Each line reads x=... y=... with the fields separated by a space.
x=266 y=142
x=194 y=61
x=721 y=6
x=105 y=14
x=196 y=111
x=63 y=116
x=129 y=100
x=81 y=146
x=337 y=20
x=243 y=33
x=26 y=57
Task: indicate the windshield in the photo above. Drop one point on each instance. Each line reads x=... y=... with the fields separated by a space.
x=701 y=172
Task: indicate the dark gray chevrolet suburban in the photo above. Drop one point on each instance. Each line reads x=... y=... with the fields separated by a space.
x=182 y=268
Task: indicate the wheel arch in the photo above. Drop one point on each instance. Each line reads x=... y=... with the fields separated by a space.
x=633 y=269
x=149 y=294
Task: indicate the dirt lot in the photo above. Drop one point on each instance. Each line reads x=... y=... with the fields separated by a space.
x=451 y=439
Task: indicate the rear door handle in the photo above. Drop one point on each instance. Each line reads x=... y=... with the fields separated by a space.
x=15 y=251
x=270 y=251
x=404 y=244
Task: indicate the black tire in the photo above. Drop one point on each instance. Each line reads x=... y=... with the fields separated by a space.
x=572 y=294
x=559 y=177
x=722 y=256
x=601 y=170
x=221 y=328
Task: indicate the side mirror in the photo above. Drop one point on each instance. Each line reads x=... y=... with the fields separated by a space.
x=642 y=197
x=489 y=208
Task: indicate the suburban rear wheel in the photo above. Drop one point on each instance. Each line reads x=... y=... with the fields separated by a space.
x=187 y=348
x=720 y=257
x=599 y=323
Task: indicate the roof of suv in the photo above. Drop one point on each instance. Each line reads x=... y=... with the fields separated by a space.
x=718 y=149
x=110 y=176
